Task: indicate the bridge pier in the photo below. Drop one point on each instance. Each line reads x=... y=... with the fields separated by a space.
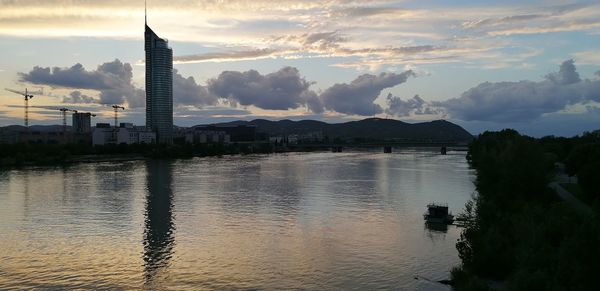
x=387 y=149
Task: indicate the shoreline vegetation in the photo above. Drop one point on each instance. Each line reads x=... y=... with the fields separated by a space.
x=521 y=235
x=17 y=155
x=39 y=155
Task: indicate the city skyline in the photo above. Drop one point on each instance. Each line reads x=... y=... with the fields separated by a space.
x=481 y=65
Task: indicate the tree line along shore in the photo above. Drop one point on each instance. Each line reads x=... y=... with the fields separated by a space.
x=15 y=155
x=519 y=234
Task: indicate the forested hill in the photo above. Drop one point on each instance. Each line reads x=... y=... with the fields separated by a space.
x=371 y=128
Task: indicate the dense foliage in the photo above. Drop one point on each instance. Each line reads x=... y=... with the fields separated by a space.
x=520 y=236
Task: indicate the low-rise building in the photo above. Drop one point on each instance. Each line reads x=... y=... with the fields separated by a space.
x=237 y=133
x=206 y=136
x=126 y=133
x=103 y=134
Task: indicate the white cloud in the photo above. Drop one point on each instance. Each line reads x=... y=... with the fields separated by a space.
x=587 y=57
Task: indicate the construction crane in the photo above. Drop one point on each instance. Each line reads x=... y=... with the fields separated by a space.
x=116 y=109
x=27 y=95
x=64 y=116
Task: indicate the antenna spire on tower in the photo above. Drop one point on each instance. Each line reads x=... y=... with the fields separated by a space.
x=145 y=12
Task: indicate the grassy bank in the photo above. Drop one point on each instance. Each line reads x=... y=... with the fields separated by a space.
x=522 y=237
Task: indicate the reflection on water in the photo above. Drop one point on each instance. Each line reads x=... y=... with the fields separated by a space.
x=159 y=226
x=303 y=220
x=437 y=227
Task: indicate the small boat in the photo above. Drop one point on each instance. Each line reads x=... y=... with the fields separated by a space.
x=438 y=213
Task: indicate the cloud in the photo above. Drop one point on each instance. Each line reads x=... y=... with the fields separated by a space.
x=35 y=106
x=357 y=97
x=360 y=33
x=211 y=111
x=503 y=20
x=318 y=41
x=284 y=89
x=112 y=79
x=370 y=11
x=252 y=54
x=78 y=97
x=591 y=57
x=187 y=92
x=415 y=105
x=281 y=90
x=548 y=28
x=523 y=100
x=566 y=75
x=548 y=19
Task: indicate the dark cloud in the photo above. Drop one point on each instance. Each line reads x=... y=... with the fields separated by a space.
x=73 y=77
x=281 y=90
x=78 y=97
x=114 y=82
x=567 y=74
x=112 y=79
x=523 y=100
x=357 y=97
x=415 y=105
x=187 y=92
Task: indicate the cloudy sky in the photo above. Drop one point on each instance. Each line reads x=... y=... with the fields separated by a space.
x=529 y=65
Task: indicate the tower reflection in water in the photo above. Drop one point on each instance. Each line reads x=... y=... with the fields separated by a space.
x=159 y=227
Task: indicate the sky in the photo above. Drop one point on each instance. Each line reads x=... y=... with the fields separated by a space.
x=486 y=65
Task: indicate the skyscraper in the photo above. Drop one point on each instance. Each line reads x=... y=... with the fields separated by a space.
x=159 y=86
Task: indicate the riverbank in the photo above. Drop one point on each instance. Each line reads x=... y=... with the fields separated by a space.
x=39 y=155
x=31 y=155
x=524 y=236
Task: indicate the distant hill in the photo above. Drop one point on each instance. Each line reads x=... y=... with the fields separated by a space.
x=42 y=128
x=371 y=128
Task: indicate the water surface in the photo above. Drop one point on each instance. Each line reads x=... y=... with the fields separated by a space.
x=301 y=220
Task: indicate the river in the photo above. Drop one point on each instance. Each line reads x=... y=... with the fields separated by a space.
x=349 y=220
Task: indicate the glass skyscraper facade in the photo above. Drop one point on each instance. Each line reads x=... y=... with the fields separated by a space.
x=159 y=86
